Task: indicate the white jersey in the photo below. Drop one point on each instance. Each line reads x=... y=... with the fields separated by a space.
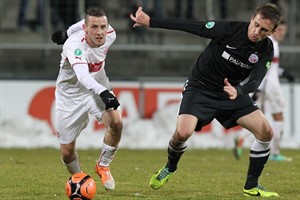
x=69 y=91
x=272 y=98
x=272 y=75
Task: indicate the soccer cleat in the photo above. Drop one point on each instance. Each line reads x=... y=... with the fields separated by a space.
x=259 y=191
x=106 y=178
x=160 y=177
x=237 y=150
x=279 y=157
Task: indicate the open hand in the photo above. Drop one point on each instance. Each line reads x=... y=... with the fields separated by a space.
x=229 y=89
x=140 y=18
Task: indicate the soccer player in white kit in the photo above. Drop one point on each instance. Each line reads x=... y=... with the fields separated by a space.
x=270 y=98
x=82 y=87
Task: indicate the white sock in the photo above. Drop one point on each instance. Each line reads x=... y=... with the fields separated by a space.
x=107 y=155
x=261 y=149
x=73 y=167
x=275 y=144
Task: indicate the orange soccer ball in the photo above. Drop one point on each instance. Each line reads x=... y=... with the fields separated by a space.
x=80 y=186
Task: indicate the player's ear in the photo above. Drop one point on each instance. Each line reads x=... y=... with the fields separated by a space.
x=84 y=27
x=273 y=31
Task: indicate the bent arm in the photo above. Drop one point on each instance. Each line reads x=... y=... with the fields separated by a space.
x=84 y=77
x=255 y=80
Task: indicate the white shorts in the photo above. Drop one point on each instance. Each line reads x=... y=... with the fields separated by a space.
x=271 y=100
x=70 y=124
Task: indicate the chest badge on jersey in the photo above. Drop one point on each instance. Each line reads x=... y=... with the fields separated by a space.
x=210 y=24
x=78 y=52
x=253 y=58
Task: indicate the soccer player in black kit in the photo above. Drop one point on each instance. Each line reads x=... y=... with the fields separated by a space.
x=213 y=90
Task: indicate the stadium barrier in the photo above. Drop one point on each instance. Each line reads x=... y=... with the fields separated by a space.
x=149 y=109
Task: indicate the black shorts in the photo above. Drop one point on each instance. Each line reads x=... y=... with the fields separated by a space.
x=207 y=105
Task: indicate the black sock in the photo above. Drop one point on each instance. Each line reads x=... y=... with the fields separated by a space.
x=256 y=167
x=174 y=154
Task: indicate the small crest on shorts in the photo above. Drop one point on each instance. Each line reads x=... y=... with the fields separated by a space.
x=253 y=58
x=78 y=52
x=210 y=24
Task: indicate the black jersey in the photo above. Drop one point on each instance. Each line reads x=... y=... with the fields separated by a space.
x=230 y=54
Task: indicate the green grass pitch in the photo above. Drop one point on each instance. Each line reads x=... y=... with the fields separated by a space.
x=202 y=174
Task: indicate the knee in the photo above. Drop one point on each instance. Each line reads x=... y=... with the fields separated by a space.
x=183 y=134
x=116 y=127
x=267 y=133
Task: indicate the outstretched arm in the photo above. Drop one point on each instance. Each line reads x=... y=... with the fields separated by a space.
x=208 y=29
x=60 y=37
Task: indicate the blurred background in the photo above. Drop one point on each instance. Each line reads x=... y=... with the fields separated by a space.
x=147 y=67
x=27 y=52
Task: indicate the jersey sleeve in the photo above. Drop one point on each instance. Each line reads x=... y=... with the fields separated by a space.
x=209 y=29
x=110 y=35
x=84 y=77
x=255 y=79
x=75 y=27
x=75 y=53
x=258 y=73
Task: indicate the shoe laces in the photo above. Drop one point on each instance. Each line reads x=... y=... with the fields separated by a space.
x=106 y=173
x=261 y=187
x=163 y=174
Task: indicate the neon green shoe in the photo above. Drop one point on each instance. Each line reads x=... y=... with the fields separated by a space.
x=279 y=157
x=160 y=177
x=259 y=191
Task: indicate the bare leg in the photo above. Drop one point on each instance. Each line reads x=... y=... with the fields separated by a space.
x=278 y=128
x=113 y=123
x=70 y=157
x=185 y=127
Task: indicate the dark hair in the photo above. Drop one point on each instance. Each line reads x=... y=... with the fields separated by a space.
x=95 y=12
x=269 y=11
x=283 y=22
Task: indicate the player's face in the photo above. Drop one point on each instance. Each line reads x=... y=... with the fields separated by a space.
x=280 y=32
x=259 y=28
x=95 y=30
